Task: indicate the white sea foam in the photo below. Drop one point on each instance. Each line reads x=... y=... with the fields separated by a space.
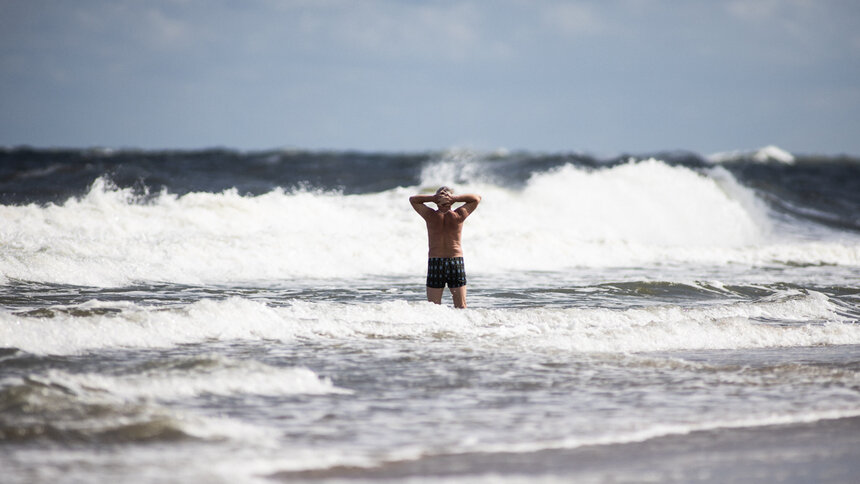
x=139 y=326
x=804 y=320
x=634 y=214
x=768 y=153
x=227 y=377
x=302 y=459
x=93 y=404
x=657 y=430
x=106 y=238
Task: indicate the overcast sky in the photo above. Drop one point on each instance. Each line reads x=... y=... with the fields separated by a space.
x=595 y=76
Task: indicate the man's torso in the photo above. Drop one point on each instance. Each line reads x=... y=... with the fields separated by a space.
x=444 y=230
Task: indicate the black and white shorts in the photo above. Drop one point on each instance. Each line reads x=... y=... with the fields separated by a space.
x=446 y=270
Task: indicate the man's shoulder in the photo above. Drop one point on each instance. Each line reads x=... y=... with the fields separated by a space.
x=432 y=214
x=462 y=212
x=424 y=210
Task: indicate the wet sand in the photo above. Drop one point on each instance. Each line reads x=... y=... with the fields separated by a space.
x=826 y=451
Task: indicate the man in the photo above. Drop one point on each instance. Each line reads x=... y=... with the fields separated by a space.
x=444 y=229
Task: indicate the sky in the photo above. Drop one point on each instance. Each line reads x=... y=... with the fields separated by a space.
x=600 y=77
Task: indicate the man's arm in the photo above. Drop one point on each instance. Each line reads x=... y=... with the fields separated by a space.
x=418 y=202
x=471 y=203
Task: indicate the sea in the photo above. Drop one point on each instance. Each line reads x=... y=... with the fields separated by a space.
x=226 y=316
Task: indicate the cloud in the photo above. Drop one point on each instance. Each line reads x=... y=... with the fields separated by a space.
x=448 y=31
x=752 y=9
x=789 y=15
x=572 y=19
x=164 y=31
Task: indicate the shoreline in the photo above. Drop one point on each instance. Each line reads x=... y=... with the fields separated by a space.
x=825 y=451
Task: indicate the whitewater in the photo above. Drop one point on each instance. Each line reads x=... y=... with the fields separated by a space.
x=628 y=215
x=217 y=316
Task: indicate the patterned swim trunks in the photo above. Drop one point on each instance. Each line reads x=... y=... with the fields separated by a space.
x=446 y=270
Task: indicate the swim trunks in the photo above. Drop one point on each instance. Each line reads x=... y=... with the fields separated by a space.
x=446 y=270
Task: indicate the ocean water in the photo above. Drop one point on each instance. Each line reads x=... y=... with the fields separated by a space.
x=219 y=316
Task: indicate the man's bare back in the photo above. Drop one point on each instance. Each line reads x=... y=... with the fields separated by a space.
x=444 y=233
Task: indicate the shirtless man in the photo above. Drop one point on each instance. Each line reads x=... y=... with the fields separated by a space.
x=444 y=228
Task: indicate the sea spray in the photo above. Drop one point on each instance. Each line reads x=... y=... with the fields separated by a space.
x=632 y=214
x=807 y=319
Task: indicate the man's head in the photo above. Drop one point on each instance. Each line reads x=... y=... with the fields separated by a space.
x=443 y=198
